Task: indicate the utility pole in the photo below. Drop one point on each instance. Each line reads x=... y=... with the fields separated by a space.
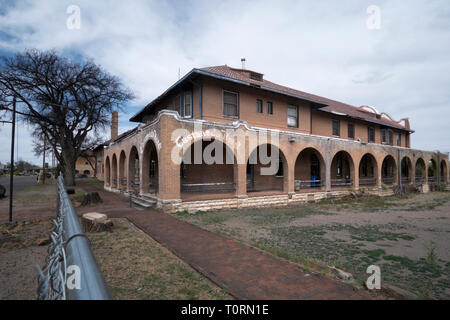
x=43 y=161
x=11 y=167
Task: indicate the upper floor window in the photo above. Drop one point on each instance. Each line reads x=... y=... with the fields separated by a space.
x=371 y=134
x=259 y=106
x=387 y=136
x=336 y=127
x=269 y=107
x=187 y=104
x=351 y=131
x=390 y=137
x=230 y=104
x=407 y=140
x=383 y=136
x=292 y=116
x=399 y=139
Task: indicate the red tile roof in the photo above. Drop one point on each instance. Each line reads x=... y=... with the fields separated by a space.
x=331 y=105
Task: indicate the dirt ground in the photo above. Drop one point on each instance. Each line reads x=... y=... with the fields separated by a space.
x=20 y=250
x=408 y=237
x=134 y=265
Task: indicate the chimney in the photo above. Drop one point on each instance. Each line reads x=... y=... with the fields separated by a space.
x=114 y=125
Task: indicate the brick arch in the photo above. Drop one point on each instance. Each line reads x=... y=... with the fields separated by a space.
x=265 y=181
x=133 y=174
x=309 y=174
x=206 y=176
x=346 y=176
x=406 y=169
x=444 y=170
x=114 y=171
x=389 y=169
x=368 y=169
x=122 y=181
x=107 y=171
x=420 y=171
x=149 y=161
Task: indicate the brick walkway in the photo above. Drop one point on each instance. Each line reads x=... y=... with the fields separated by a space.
x=245 y=272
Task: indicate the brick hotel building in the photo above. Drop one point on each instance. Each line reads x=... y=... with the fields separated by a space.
x=326 y=148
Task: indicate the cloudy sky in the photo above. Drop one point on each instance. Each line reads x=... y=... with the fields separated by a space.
x=329 y=48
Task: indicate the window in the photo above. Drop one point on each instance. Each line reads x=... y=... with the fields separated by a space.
x=407 y=140
x=336 y=127
x=259 y=106
x=269 y=107
x=383 y=136
x=371 y=134
x=351 y=131
x=387 y=136
x=399 y=139
x=230 y=104
x=390 y=137
x=292 y=116
x=187 y=104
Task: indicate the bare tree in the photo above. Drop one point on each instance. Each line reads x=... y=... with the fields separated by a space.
x=63 y=100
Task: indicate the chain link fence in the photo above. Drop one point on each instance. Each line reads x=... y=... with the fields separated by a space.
x=71 y=271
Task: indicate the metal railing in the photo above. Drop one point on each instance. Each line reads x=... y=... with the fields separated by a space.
x=420 y=179
x=208 y=187
x=342 y=182
x=388 y=180
x=367 y=181
x=70 y=259
x=306 y=184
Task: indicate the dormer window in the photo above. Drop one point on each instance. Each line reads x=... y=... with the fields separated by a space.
x=256 y=76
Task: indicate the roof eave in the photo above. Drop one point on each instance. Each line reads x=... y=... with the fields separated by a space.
x=367 y=120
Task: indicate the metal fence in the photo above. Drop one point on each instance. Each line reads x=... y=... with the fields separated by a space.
x=71 y=271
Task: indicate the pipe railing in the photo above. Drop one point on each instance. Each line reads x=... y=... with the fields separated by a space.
x=342 y=182
x=71 y=271
x=306 y=184
x=367 y=181
x=388 y=180
x=210 y=186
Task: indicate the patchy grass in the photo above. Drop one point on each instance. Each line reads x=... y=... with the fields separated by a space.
x=137 y=267
x=93 y=182
x=372 y=203
x=294 y=233
x=25 y=233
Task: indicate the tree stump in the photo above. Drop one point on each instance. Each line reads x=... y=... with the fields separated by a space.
x=91 y=198
x=96 y=222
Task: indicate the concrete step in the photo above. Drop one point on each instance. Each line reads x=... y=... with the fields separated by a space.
x=142 y=202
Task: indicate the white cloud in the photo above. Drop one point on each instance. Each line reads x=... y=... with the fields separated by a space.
x=319 y=47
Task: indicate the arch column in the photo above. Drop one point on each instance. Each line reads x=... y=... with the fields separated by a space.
x=356 y=176
x=169 y=172
x=328 y=167
x=240 y=178
x=289 y=178
x=141 y=175
x=379 y=173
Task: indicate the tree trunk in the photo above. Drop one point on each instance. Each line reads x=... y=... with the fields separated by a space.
x=68 y=168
